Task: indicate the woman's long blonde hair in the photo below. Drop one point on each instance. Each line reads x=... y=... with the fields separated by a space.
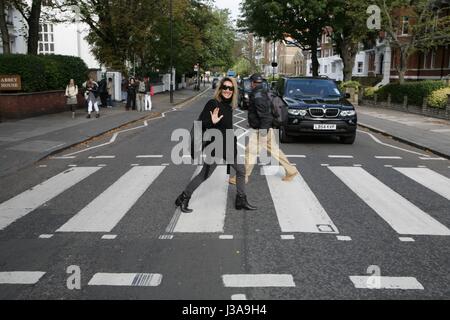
x=218 y=93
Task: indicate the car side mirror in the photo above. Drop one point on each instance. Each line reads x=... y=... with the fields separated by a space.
x=347 y=96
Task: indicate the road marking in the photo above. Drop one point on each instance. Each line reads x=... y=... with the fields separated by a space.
x=421 y=166
x=102 y=165
x=388 y=165
x=21 y=277
x=238 y=297
x=46 y=236
x=226 y=237
x=390 y=145
x=135 y=165
x=403 y=216
x=432 y=159
x=440 y=130
x=325 y=165
x=377 y=282
x=406 y=239
x=30 y=200
x=149 y=156
x=103 y=157
x=72 y=165
x=257 y=280
x=209 y=203
x=109 y=237
x=303 y=211
x=340 y=157
x=62 y=158
x=428 y=178
x=287 y=237
x=296 y=156
x=126 y=279
x=357 y=165
x=389 y=157
x=344 y=238
x=43 y=166
x=105 y=212
x=166 y=237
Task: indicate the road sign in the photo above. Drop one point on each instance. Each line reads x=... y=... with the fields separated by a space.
x=274 y=64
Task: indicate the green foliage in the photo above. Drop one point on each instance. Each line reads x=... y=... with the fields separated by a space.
x=369 y=92
x=439 y=98
x=416 y=91
x=350 y=84
x=43 y=73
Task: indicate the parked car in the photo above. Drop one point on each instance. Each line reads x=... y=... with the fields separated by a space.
x=245 y=87
x=314 y=107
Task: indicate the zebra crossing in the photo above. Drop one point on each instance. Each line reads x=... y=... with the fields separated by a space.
x=297 y=208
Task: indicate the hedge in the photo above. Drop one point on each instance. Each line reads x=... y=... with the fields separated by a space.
x=416 y=91
x=44 y=72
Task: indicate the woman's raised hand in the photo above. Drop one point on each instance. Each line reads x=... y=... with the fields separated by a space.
x=215 y=116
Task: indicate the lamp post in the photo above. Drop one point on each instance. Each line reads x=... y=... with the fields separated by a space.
x=171 y=52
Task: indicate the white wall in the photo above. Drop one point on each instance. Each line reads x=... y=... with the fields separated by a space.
x=338 y=74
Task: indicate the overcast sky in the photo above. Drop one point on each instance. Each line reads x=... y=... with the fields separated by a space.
x=232 y=5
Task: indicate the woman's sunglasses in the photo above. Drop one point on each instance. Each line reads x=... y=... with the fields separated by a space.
x=227 y=88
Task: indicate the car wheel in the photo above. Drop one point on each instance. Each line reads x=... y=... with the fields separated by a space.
x=284 y=138
x=348 y=140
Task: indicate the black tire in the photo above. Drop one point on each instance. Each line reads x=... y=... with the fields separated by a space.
x=284 y=138
x=348 y=139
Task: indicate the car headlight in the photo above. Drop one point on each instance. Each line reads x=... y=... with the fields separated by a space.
x=297 y=112
x=246 y=96
x=349 y=113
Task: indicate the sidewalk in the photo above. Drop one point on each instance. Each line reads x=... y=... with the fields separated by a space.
x=26 y=141
x=420 y=131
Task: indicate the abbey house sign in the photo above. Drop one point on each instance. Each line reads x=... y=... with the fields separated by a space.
x=10 y=83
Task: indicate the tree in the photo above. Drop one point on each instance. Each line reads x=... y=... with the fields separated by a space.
x=349 y=29
x=4 y=27
x=425 y=28
x=32 y=16
x=301 y=20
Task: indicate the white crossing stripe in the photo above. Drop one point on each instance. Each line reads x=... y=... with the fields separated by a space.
x=340 y=157
x=403 y=216
x=406 y=239
x=30 y=200
x=126 y=279
x=226 y=237
x=209 y=203
x=435 y=159
x=344 y=238
x=428 y=178
x=258 y=280
x=149 y=156
x=109 y=237
x=103 y=157
x=377 y=282
x=287 y=237
x=21 y=277
x=297 y=208
x=104 y=212
x=46 y=236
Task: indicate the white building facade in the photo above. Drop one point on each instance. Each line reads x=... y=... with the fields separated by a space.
x=63 y=38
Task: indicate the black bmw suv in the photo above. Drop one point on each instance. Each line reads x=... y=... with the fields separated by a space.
x=314 y=106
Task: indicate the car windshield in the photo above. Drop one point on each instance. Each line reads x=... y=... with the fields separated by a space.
x=312 y=88
x=248 y=84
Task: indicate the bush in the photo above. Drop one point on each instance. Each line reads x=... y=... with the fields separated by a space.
x=44 y=72
x=369 y=92
x=350 y=84
x=438 y=98
x=416 y=91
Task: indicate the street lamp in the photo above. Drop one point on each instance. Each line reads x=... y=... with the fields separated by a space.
x=171 y=52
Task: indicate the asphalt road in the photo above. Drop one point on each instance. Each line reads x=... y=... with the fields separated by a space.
x=351 y=217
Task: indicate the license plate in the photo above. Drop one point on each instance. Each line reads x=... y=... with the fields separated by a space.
x=324 y=127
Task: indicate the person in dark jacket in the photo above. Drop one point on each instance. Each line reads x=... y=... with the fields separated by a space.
x=218 y=114
x=131 y=94
x=262 y=136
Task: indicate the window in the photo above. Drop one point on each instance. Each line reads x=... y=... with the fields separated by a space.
x=46 y=39
x=405 y=25
x=333 y=67
x=425 y=57
x=360 y=67
x=433 y=59
x=325 y=69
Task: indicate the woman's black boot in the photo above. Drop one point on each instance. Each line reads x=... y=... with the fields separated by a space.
x=183 y=202
x=242 y=203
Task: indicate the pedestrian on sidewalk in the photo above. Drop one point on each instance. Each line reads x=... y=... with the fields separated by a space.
x=91 y=95
x=140 y=99
x=218 y=114
x=71 y=94
x=261 y=120
x=109 y=89
x=103 y=92
x=149 y=93
x=131 y=95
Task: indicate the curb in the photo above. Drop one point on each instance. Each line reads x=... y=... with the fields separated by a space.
x=121 y=126
x=409 y=142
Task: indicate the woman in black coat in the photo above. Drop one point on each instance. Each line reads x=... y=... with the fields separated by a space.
x=218 y=114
